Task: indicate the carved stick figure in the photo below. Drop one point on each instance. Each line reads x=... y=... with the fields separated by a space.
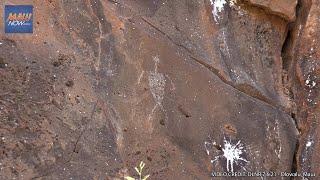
x=157 y=83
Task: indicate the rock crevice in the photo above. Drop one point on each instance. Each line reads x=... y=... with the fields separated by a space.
x=292 y=84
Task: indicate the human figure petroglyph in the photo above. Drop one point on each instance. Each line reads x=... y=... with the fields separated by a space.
x=157 y=83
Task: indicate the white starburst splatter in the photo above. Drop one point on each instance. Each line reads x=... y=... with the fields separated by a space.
x=232 y=153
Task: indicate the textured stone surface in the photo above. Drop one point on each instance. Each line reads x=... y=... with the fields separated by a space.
x=283 y=8
x=308 y=73
x=102 y=85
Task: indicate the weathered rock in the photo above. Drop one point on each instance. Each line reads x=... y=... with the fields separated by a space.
x=283 y=8
x=308 y=73
x=189 y=87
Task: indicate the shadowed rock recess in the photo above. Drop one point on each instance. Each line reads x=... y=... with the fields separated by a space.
x=190 y=87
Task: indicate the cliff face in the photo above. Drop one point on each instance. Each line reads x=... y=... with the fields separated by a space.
x=307 y=66
x=189 y=87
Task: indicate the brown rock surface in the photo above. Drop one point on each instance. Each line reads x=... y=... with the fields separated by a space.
x=307 y=59
x=188 y=87
x=283 y=8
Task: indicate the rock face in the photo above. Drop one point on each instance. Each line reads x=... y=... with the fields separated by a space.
x=191 y=88
x=283 y=8
x=307 y=59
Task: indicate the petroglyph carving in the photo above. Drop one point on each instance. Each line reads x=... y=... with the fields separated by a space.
x=157 y=83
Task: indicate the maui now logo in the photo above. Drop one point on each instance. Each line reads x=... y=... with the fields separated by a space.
x=18 y=19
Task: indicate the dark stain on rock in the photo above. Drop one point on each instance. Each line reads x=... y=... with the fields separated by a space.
x=3 y=64
x=184 y=111
x=230 y=129
x=69 y=83
x=62 y=59
x=162 y=122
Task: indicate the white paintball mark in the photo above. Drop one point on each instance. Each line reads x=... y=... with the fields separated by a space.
x=306 y=153
x=310 y=83
x=232 y=153
x=309 y=143
x=217 y=8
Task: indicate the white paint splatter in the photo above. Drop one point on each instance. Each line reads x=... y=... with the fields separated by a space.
x=310 y=83
x=217 y=8
x=307 y=148
x=309 y=143
x=207 y=144
x=232 y=2
x=232 y=153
